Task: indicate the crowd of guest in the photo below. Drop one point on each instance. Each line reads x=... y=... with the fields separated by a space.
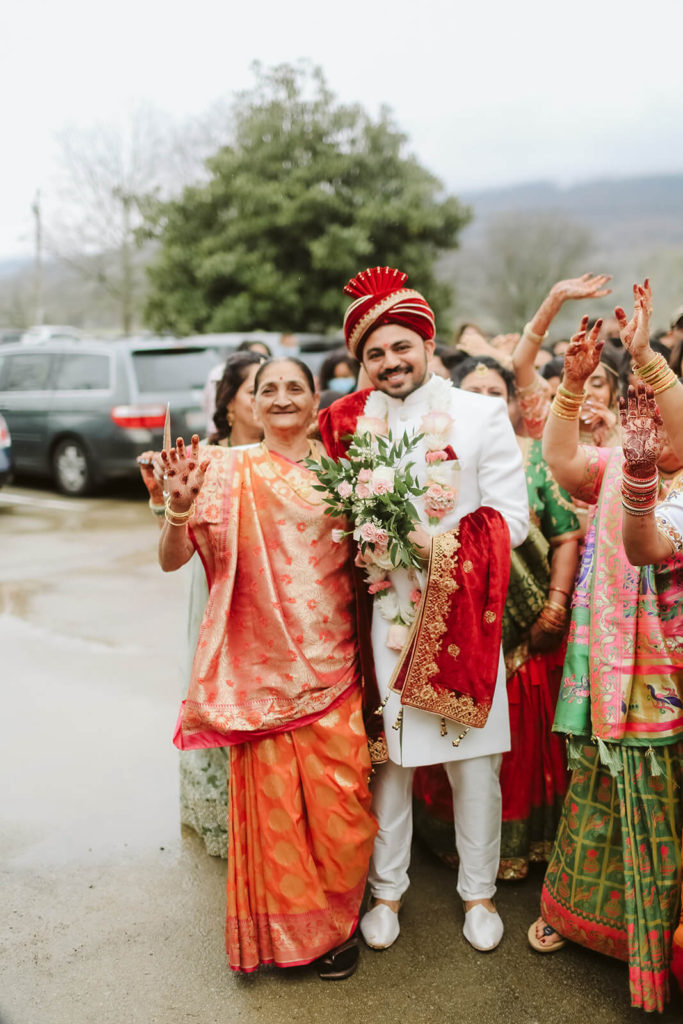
x=587 y=767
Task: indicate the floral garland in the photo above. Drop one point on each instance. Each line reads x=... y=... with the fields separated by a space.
x=440 y=497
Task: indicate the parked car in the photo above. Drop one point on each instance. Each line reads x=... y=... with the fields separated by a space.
x=51 y=332
x=6 y=459
x=83 y=410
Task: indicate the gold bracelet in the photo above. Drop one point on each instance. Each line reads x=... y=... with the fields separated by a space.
x=571 y=396
x=556 y=604
x=548 y=626
x=654 y=371
x=177 y=518
x=648 y=366
x=655 y=376
x=566 y=410
x=669 y=381
x=555 y=409
x=535 y=339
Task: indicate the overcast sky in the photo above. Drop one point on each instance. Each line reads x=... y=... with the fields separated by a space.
x=489 y=93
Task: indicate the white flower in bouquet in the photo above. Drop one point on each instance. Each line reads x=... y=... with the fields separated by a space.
x=387 y=604
x=439 y=473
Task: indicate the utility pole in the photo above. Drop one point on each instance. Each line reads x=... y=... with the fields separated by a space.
x=38 y=263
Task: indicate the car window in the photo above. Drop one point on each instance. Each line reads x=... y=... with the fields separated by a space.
x=80 y=371
x=177 y=369
x=25 y=371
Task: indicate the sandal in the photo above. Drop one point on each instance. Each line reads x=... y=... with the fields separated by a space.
x=548 y=930
x=340 y=962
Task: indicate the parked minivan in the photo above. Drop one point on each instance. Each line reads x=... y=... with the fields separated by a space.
x=83 y=410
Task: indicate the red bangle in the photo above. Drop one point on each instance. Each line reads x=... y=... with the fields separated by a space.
x=559 y=590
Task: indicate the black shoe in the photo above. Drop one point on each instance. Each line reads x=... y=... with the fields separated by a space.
x=340 y=962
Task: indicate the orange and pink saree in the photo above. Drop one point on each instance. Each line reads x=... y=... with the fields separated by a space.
x=276 y=678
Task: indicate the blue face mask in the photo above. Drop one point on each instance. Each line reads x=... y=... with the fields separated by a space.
x=342 y=384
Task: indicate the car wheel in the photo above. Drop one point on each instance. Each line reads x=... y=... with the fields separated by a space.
x=71 y=468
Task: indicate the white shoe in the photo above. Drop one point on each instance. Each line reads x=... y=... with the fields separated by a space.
x=482 y=929
x=380 y=927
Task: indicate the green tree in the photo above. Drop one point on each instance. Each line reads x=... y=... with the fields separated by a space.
x=307 y=193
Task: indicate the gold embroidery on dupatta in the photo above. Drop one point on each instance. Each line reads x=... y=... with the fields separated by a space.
x=378 y=750
x=430 y=633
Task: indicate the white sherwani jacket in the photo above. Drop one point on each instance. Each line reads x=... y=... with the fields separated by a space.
x=491 y=473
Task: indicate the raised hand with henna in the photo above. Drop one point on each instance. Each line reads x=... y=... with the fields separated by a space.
x=582 y=356
x=184 y=473
x=588 y=286
x=635 y=333
x=642 y=431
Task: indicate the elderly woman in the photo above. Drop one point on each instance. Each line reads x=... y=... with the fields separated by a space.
x=204 y=773
x=612 y=882
x=276 y=678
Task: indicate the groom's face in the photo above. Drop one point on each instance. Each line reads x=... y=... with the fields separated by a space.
x=395 y=359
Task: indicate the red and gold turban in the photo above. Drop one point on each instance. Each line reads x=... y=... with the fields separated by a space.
x=380 y=298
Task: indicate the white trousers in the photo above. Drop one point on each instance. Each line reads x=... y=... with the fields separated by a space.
x=477 y=809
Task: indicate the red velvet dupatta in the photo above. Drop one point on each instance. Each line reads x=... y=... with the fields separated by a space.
x=450 y=664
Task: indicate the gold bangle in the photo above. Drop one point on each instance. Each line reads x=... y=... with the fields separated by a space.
x=555 y=410
x=535 y=339
x=669 y=381
x=656 y=376
x=177 y=518
x=556 y=604
x=571 y=395
x=655 y=361
x=547 y=626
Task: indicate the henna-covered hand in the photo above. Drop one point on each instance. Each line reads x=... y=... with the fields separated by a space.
x=583 y=355
x=152 y=471
x=642 y=430
x=588 y=286
x=635 y=333
x=184 y=473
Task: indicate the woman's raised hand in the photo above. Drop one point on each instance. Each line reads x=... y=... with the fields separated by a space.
x=641 y=430
x=635 y=333
x=583 y=355
x=588 y=286
x=184 y=473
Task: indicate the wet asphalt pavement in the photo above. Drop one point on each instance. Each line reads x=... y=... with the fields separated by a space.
x=111 y=914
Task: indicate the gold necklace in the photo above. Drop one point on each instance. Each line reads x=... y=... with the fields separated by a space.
x=305 y=488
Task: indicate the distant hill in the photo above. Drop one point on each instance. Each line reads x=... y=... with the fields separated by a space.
x=636 y=211
x=636 y=229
